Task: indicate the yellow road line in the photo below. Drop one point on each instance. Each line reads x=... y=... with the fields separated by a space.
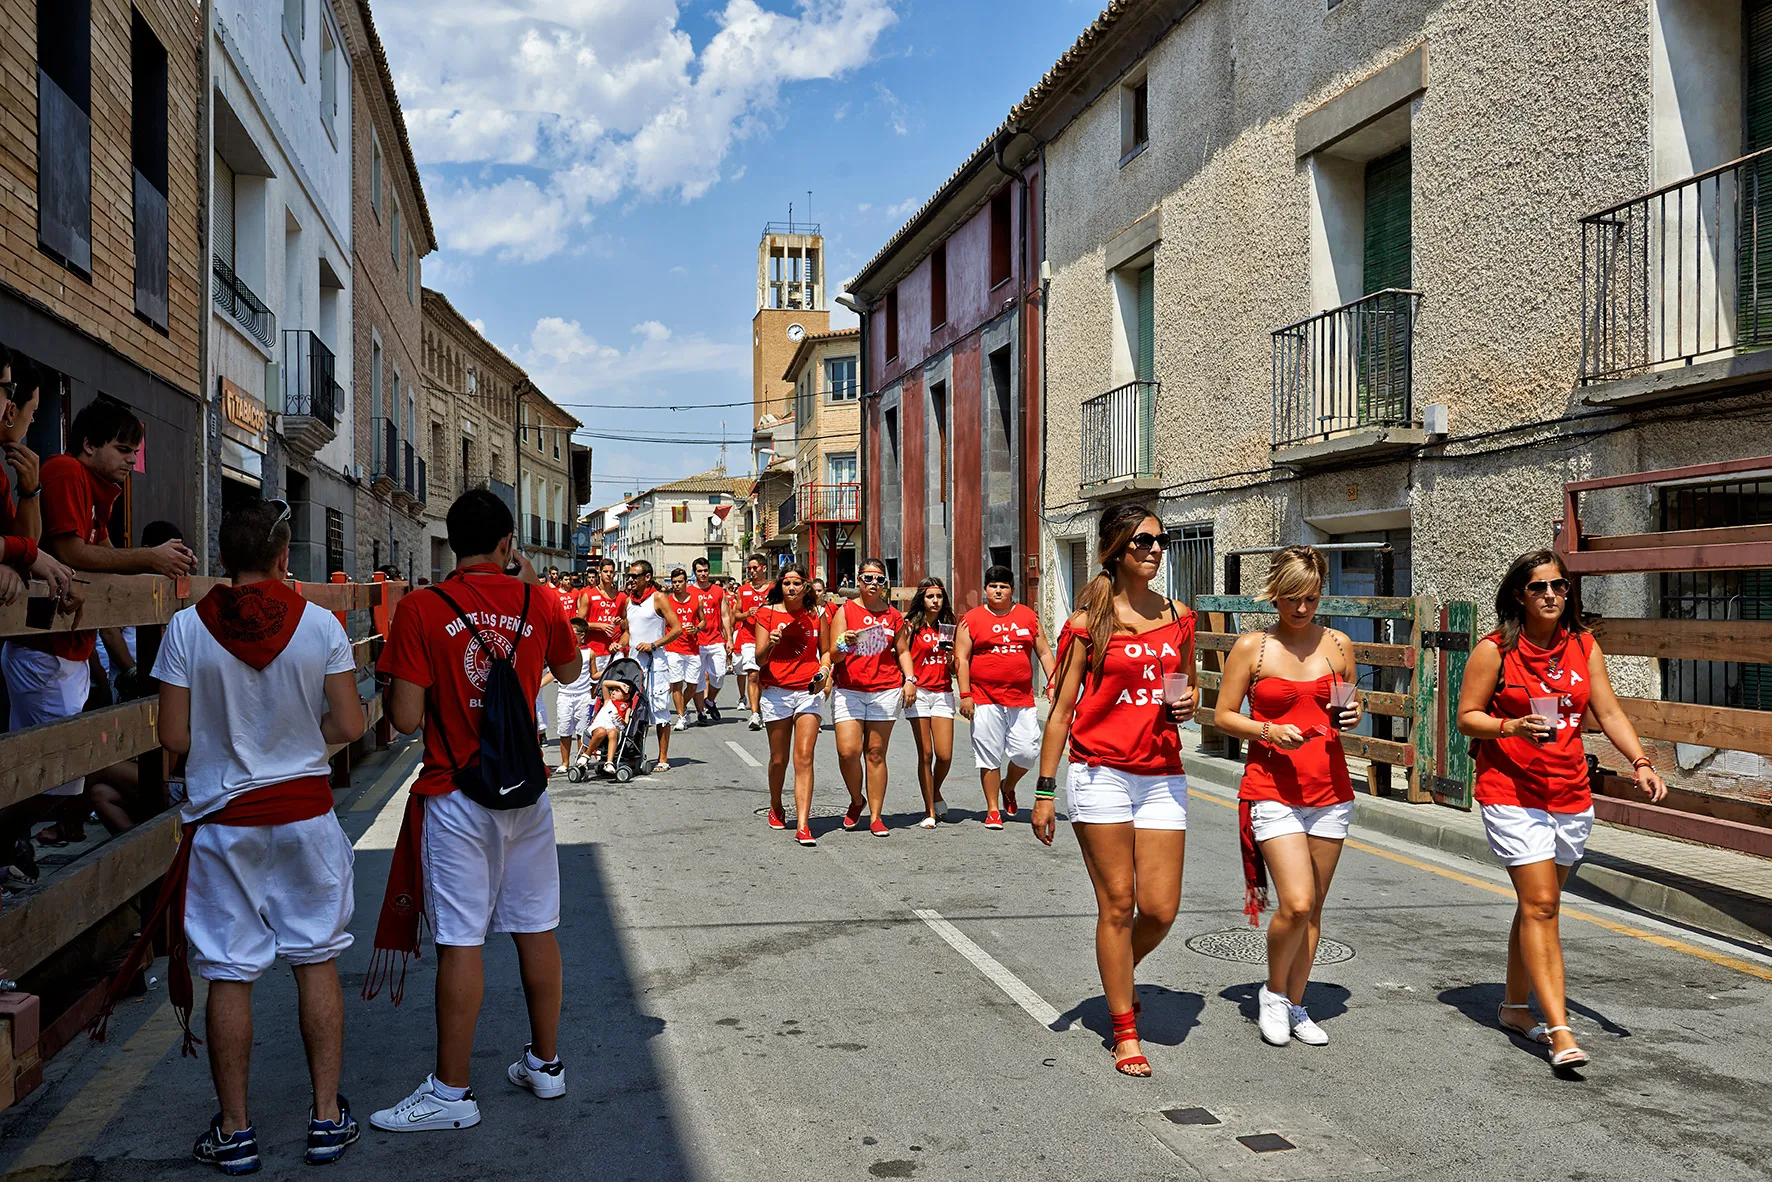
x=396 y=772
x=1763 y=972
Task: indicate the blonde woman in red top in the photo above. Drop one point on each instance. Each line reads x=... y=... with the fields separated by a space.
x=927 y=639
x=786 y=633
x=861 y=646
x=1527 y=687
x=994 y=652
x=1126 y=789
x=1296 y=795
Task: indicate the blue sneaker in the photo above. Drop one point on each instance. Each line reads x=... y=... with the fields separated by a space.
x=236 y=1154
x=328 y=1139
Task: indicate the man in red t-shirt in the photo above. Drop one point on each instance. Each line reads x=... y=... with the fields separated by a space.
x=47 y=677
x=993 y=667
x=474 y=869
x=742 y=605
x=604 y=608
x=22 y=524
x=715 y=639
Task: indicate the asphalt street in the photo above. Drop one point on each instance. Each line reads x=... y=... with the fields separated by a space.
x=926 y=1006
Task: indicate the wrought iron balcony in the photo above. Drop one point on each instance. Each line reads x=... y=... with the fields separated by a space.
x=787 y=514
x=1119 y=435
x=1679 y=275
x=384 y=456
x=830 y=502
x=311 y=396
x=1347 y=368
x=238 y=301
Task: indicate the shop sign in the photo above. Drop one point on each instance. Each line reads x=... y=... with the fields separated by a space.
x=244 y=416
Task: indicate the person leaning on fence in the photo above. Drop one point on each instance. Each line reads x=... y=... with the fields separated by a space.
x=1527 y=689
x=255 y=683
x=21 y=520
x=464 y=659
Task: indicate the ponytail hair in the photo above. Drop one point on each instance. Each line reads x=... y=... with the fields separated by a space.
x=1113 y=533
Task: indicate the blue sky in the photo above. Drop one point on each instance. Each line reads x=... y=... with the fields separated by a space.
x=599 y=172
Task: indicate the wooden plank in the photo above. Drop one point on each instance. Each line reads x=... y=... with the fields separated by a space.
x=1364 y=607
x=1662 y=476
x=1729 y=835
x=1424 y=689
x=1743 y=556
x=1211 y=664
x=1386 y=751
x=1391 y=656
x=371 y=714
x=112 y=601
x=85 y=891
x=363 y=652
x=1747 y=641
x=1461 y=620
x=1215 y=642
x=342 y=597
x=38 y=757
x=1705 y=726
x=1680 y=537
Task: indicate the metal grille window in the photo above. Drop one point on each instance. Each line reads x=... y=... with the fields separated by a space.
x=1189 y=562
x=335 y=541
x=1077 y=557
x=1717 y=595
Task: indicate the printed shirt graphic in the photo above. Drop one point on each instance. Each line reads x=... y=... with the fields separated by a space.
x=794 y=659
x=76 y=503
x=429 y=646
x=1001 y=674
x=872 y=664
x=689 y=615
x=600 y=610
x=713 y=613
x=1520 y=771
x=935 y=671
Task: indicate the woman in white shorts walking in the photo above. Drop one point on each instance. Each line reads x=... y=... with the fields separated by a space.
x=1296 y=797
x=870 y=673
x=786 y=632
x=1526 y=690
x=928 y=641
x=1118 y=715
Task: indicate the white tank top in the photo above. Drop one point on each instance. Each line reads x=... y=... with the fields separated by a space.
x=645 y=625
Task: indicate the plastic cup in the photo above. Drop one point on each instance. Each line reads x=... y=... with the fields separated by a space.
x=1546 y=708
x=947 y=633
x=1341 y=695
x=1174 y=687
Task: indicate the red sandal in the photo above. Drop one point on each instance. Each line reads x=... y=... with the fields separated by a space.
x=1126 y=1030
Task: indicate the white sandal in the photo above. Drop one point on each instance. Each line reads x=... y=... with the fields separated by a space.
x=1536 y=1034
x=1573 y=1057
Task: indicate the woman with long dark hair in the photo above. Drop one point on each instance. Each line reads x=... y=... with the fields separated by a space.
x=786 y=633
x=1296 y=797
x=1118 y=712
x=927 y=640
x=870 y=676
x=1527 y=687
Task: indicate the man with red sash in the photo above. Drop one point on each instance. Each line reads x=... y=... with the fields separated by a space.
x=466 y=868
x=255 y=683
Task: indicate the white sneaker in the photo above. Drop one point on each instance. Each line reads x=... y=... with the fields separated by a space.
x=1307 y=1031
x=682 y=722
x=1274 y=1016
x=425 y=1109
x=548 y=1081
x=756 y=721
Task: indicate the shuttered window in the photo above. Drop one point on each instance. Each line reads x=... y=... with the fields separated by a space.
x=1146 y=444
x=223 y=206
x=64 y=131
x=1387 y=223
x=148 y=151
x=1754 y=259
x=1384 y=325
x=1080 y=571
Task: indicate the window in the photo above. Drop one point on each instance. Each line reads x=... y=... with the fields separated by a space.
x=328 y=81
x=679 y=514
x=1077 y=564
x=840 y=468
x=394 y=234
x=938 y=286
x=375 y=379
x=892 y=325
x=714 y=499
x=716 y=555
x=556 y=444
x=841 y=380
x=335 y=541
x=411 y=277
x=1002 y=249
x=64 y=131
x=295 y=29
x=938 y=414
x=1189 y=562
x=147 y=136
x=1135 y=119
x=375 y=178
x=523 y=424
x=1717 y=595
x=1388 y=238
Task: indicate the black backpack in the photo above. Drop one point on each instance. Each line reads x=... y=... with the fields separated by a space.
x=511 y=773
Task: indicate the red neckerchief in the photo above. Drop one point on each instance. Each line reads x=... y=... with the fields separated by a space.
x=255 y=622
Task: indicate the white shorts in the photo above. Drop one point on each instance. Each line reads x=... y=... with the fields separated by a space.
x=606 y=720
x=746 y=659
x=713 y=666
x=541 y=712
x=45 y=688
x=777 y=703
x=1005 y=733
x=257 y=892
x=575 y=714
x=849 y=705
x=488 y=870
x=1520 y=836
x=931 y=704
x=1273 y=818
x=685 y=667
x=658 y=684
x=1107 y=796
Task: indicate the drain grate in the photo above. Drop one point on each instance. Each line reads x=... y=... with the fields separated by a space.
x=1247 y=945
x=818 y=810
x=1190 y=1116
x=1265 y=1143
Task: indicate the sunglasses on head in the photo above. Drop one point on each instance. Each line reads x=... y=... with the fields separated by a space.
x=1554 y=586
x=1143 y=541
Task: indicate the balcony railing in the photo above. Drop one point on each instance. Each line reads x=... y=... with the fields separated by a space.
x=1346 y=368
x=534 y=530
x=409 y=473
x=787 y=515
x=423 y=491
x=237 y=300
x=1680 y=274
x=1119 y=434
x=830 y=502
x=384 y=452
x=553 y=536
x=308 y=385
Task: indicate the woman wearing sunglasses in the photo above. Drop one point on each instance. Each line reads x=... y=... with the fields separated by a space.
x=786 y=631
x=1118 y=714
x=1527 y=687
x=928 y=641
x=1296 y=797
x=870 y=673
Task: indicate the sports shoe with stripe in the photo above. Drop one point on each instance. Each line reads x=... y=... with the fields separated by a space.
x=328 y=1139
x=234 y=1153
x=548 y=1081
x=425 y=1109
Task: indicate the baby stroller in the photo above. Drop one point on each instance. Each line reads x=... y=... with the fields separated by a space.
x=630 y=745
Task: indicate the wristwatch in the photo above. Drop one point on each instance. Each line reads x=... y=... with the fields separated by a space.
x=25 y=496
x=1045 y=788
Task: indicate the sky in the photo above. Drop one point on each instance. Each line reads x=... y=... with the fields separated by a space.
x=599 y=173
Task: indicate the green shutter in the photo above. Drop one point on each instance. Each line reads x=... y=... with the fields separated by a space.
x=1754 y=258
x=1383 y=327
x=1147 y=370
x=1387 y=223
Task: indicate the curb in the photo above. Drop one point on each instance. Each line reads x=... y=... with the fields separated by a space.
x=1601 y=878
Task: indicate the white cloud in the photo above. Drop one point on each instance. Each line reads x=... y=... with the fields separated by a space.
x=904 y=208
x=598 y=99
x=567 y=362
x=863 y=207
x=897 y=114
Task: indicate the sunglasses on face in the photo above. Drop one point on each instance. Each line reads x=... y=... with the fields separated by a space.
x=873 y=580
x=1554 y=586
x=1147 y=541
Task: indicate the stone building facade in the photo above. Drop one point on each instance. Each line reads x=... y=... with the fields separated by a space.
x=543 y=455
x=825 y=517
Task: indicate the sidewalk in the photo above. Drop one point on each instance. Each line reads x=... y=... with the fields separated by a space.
x=1712 y=890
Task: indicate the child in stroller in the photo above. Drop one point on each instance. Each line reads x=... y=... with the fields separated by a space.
x=617 y=743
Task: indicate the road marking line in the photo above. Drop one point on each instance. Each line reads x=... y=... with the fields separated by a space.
x=384 y=832
x=386 y=782
x=984 y=962
x=1763 y=972
x=743 y=754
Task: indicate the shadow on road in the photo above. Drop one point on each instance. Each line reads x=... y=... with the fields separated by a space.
x=1323 y=999
x=1479 y=1003
x=1165 y=1018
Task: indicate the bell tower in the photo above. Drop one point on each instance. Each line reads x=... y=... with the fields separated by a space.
x=790 y=307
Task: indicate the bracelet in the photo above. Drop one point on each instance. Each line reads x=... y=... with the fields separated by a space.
x=1264 y=727
x=966 y=693
x=25 y=496
x=1045 y=788
x=1642 y=763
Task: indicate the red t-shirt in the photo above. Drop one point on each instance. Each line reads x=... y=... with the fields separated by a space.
x=934 y=664
x=1120 y=721
x=749 y=600
x=794 y=659
x=429 y=646
x=8 y=512
x=602 y=611
x=713 y=613
x=76 y=502
x=689 y=615
x=872 y=665
x=1000 y=673
x=1552 y=777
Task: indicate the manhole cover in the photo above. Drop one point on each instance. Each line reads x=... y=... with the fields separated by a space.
x=817 y=810
x=1249 y=946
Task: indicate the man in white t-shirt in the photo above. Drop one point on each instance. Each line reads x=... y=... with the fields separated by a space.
x=255 y=683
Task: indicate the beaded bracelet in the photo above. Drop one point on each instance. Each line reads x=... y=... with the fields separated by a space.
x=1264 y=727
x=1641 y=763
x=1046 y=788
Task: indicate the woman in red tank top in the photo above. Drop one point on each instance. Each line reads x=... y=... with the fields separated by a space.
x=1296 y=797
x=1117 y=712
x=1526 y=689
x=870 y=673
x=785 y=631
x=927 y=639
